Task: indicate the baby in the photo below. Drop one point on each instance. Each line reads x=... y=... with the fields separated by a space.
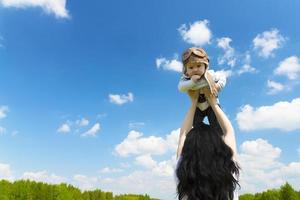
x=195 y=76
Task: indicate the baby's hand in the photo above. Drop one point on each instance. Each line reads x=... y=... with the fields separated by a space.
x=195 y=78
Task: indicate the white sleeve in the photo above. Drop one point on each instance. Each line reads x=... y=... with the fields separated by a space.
x=185 y=84
x=219 y=78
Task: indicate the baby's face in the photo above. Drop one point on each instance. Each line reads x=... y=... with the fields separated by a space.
x=195 y=68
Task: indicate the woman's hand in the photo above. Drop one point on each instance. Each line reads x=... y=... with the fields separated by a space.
x=213 y=86
x=209 y=96
x=215 y=89
x=194 y=95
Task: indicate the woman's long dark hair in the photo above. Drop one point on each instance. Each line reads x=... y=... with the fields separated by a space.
x=205 y=169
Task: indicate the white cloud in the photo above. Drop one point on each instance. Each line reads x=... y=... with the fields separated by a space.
x=120 y=99
x=145 y=147
x=3 y=111
x=282 y=115
x=84 y=182
x=135 y=125
x=138 y=182
x=165 y=168
x=135 y=144
x=82 y=122
x=172 y=140
x=125 y=165
x=146 y=161
x=160 y=175
x=43 y=176
x=226 y=73
x=298 y=150
x=101 y=115
x=246 y=67
x=260 y=154
x=56 y=7
x=267 y=42
x=92 y=131
x=172 y=65
x=2 y=130
x=274 y=87
x=289 y=67
x=197 y=34
x=229 y=56
x=64 y=128
x=261 y=168
x=5 y=172
x=108 y=170
x=223 y=43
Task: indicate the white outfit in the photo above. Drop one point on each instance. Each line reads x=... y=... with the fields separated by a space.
x=186 y=83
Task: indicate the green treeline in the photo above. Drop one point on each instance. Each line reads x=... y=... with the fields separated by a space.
x=31 y=190
x=286 y=192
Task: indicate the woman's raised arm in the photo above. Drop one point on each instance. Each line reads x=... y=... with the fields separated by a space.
x=229 y=136
x=188 y=120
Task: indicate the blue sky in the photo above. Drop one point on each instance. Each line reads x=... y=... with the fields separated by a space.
x=88 y=91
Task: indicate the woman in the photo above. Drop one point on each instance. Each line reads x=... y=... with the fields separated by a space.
x=207 y=160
